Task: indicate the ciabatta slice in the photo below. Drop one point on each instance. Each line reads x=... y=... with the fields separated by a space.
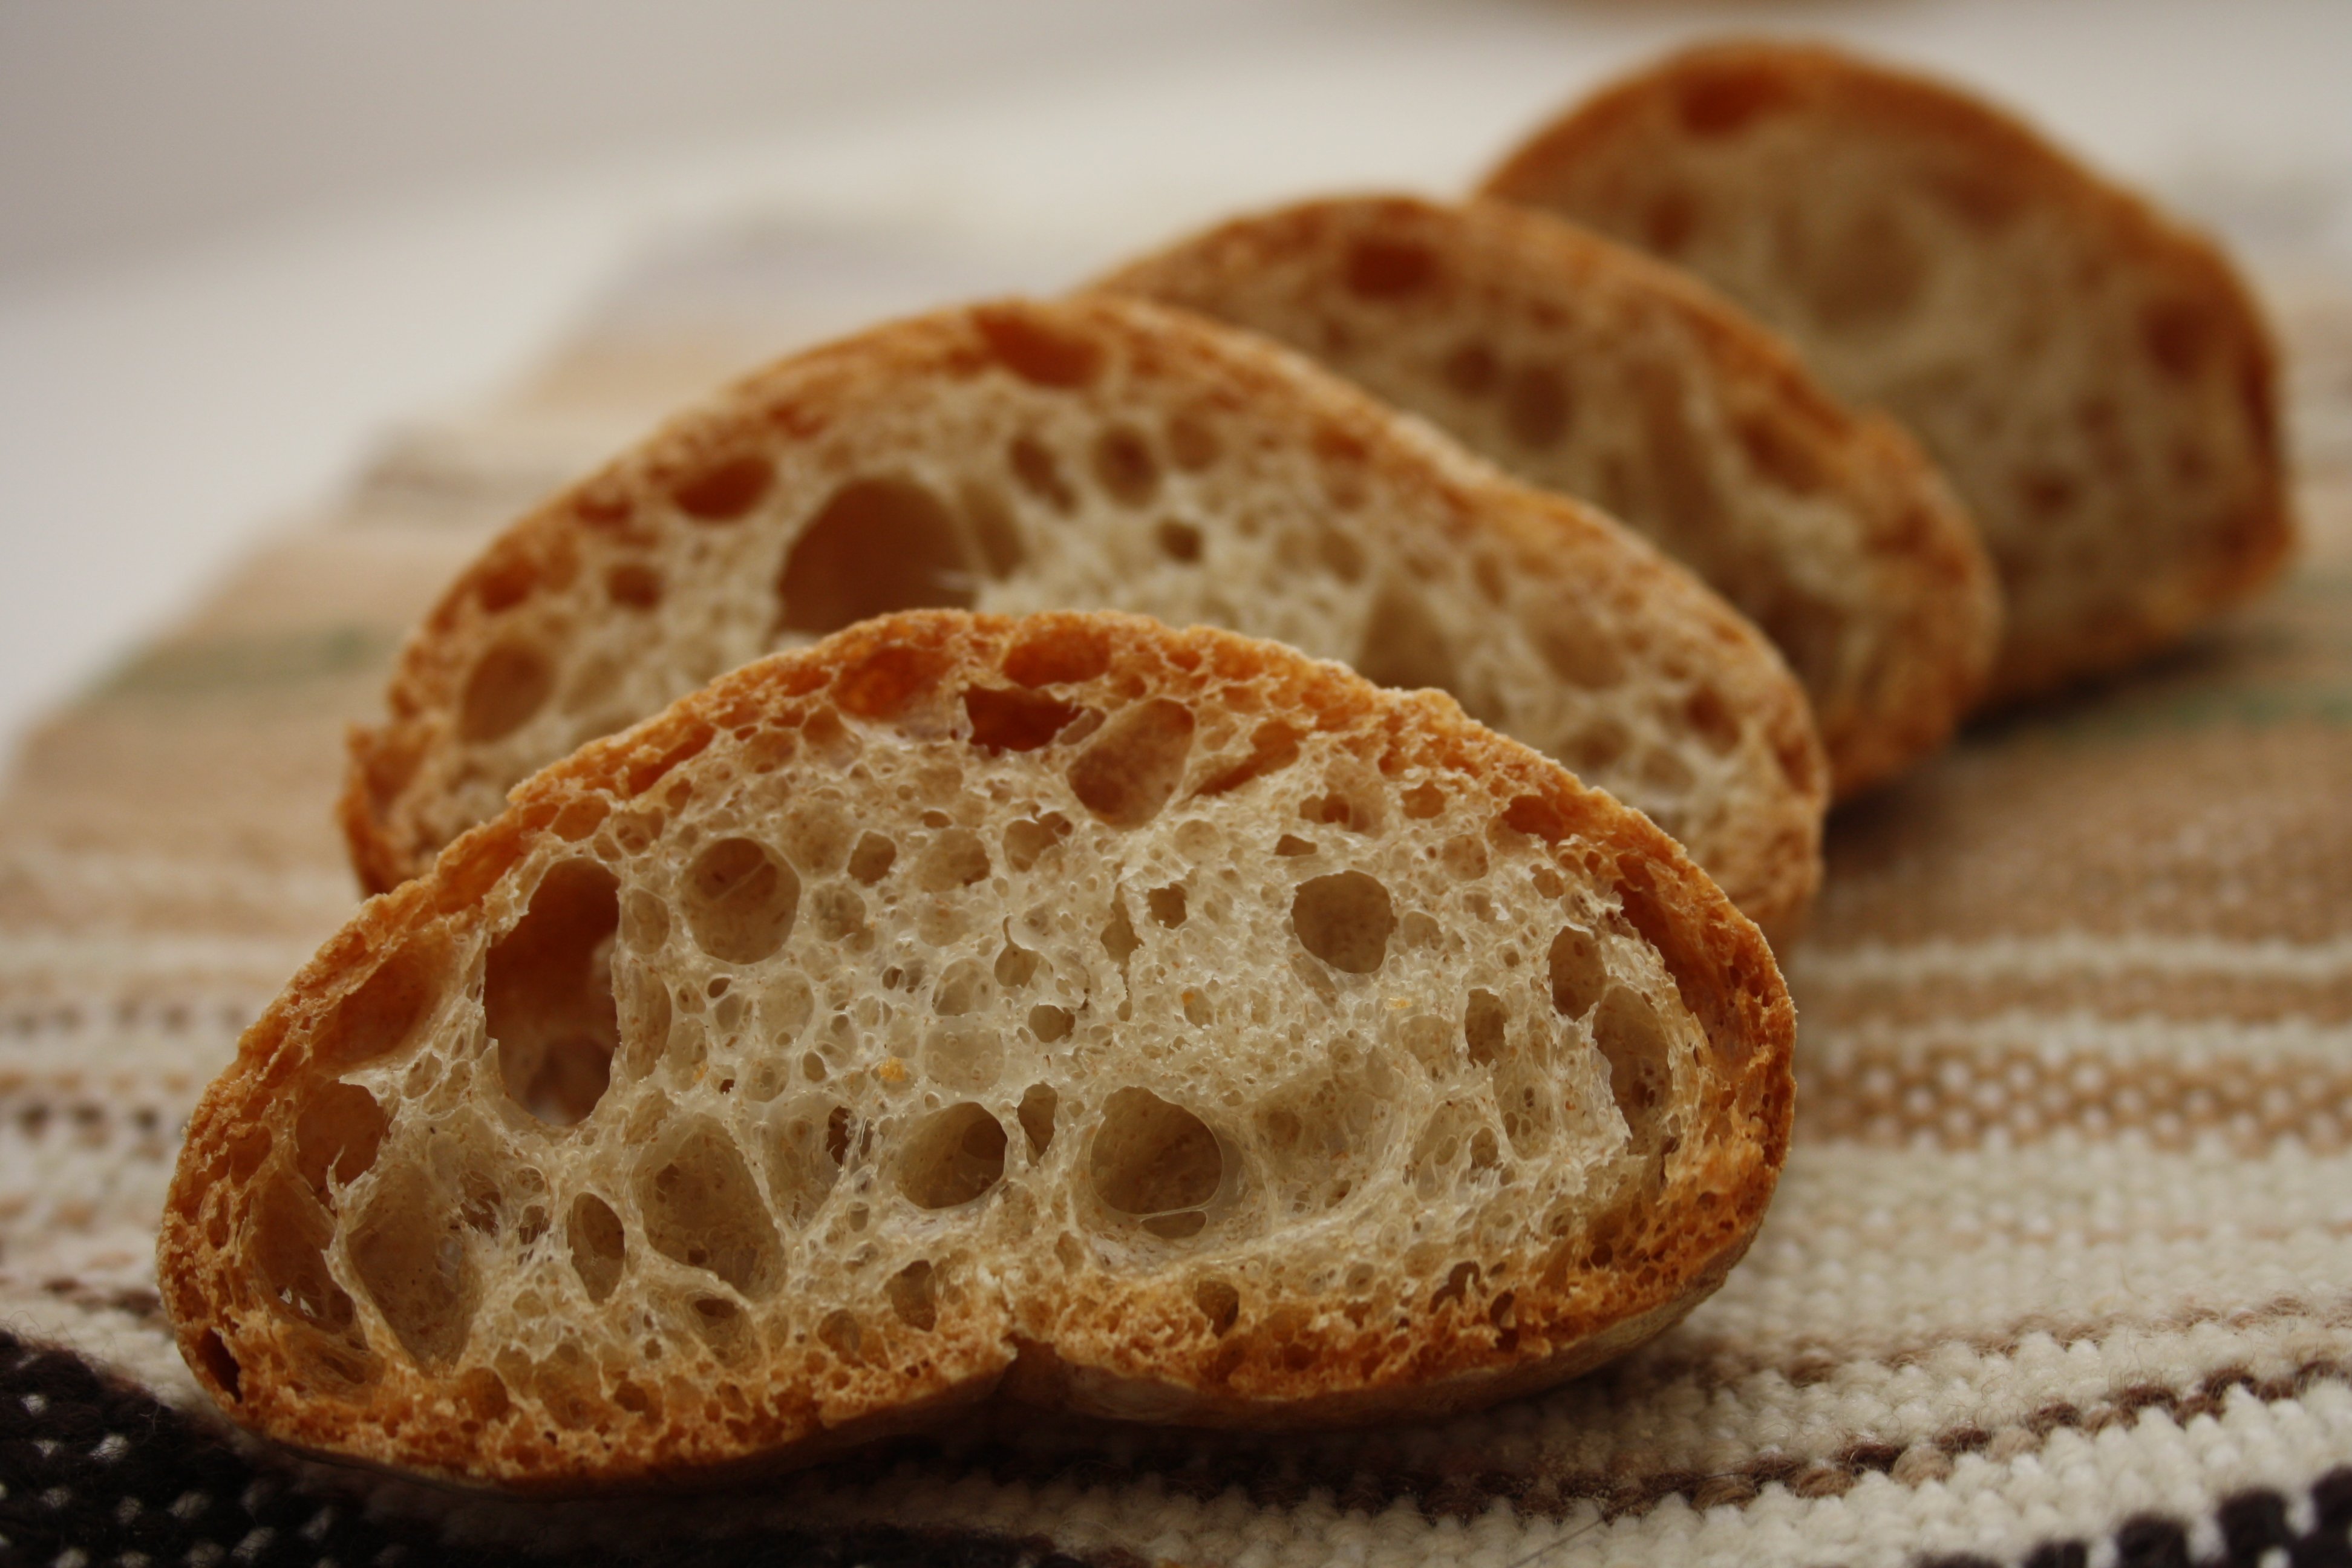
x=1159 y=1024
x=1094 y=454
x=2095 y=380
x=1585 y=367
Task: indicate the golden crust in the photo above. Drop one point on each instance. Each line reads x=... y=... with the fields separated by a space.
x=1611 y=1284
x=1931 y=608
x=2001 y=163
x=396 y=809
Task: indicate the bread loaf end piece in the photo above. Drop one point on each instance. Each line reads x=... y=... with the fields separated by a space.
x=1585 y=367
x=1159 y=1024
x=1091 y=454
x=2095 y=381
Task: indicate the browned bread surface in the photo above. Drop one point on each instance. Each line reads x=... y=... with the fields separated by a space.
x=1154 y=1023
x=2095 y=380
x=1585 y=367
x=1099 y=453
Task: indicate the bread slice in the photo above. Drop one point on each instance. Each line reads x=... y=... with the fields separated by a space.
x=1099 y=453
x=1153 y=1023
x=1585 y=367
x=2095 y=380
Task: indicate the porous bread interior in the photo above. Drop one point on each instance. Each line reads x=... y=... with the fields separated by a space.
x=2094 y=382
x=1181 y=470
x=808 y=1080
x=1587 y=369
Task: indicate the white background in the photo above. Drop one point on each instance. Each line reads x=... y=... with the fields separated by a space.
x=239 y=237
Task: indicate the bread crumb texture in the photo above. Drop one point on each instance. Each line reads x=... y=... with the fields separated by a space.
x=2095 y=381
x=1588 y=368
x=1159 y=1024
x=1096 y=453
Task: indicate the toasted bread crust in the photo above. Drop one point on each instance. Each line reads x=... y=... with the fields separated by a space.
x=2166 y=563
x=339 y=1381
x=794 y=434
x=1503 y=303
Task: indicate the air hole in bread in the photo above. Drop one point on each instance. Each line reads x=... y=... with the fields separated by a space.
x=1015 y=966
x=634 y=586
x=509 y=683
x=1037 y=349
x=871 y=860
x=878 y=545
x=1867 y=277
x=723 y=1327
x=1460 y=1281
x=547 y=994
x=1485 y=1021
x=599 y=1251
x=1536 y=405
x=1318 y=1138
x=805 y=1147
x=952 y=1157
x=1038 y=471
x=409 y=1252
x=1685 y=504
x=1178 y=540
x=816 y=835
x=1027 y=838
x=1167 y=904
x=1464 y=855
x=1154 y=1160
x=1134 y=762
x=840 y=1334
x=1628 y=1032
x=285 y=1242
x=1009 y=721
x=1058 y=654
x=700 y=1207
x=913 y=1292
x=1220 y=1304
x=1050 y=1023
x=1038 y=1103
x=1389 y=269
x=1338 y=550
x=1274 y=745
x=1192 y=443
x=1783 y=455
x=994 y=528
x=741 y=900
x=1124 y=467
x=337 y=1136
x=954 y=858
x=1665 y=774
x=1581 y=652
x=1578 y=974
x=1712 y=719
x=725 y=490
x=219 y=1364
x=1472 y=369
x=1291 y=846
x=1345 y=920
x=963 y=1056
x=1403 y=645
x=1601 y=745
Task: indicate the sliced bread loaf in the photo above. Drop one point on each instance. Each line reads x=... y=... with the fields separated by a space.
x=2095 y=380
x=1099 y=453
x=1158 y=1025
x=1585 y=367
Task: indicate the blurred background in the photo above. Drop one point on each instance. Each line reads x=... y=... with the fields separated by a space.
x=240 y=239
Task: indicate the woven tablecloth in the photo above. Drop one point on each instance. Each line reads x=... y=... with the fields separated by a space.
x=2060 y=1272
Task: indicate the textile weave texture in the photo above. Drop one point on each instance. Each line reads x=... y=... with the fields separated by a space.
x=2060 y=1272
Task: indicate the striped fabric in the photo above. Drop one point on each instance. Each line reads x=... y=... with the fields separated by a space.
x=2060 y=1271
